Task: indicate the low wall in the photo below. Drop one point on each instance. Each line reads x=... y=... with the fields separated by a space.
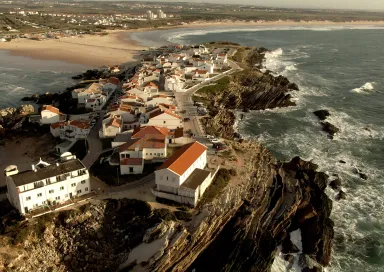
x=176 y=198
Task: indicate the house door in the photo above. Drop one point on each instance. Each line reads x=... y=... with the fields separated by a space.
x=170 y=141
x=26 y=209
x=70 y=195
x=130 y=169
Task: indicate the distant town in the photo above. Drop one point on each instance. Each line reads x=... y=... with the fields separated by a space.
x=52 y=18
x=145 y=125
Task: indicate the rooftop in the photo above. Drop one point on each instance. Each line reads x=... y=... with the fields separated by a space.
x=183 y=158
x=195 y=178
x=49 y=171
x=148 y=141
x=51 y=109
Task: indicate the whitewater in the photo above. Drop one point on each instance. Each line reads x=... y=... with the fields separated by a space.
x=338 y=69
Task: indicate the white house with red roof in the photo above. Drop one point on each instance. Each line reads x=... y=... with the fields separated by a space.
x=111 y=126
x=75 y=129
x=183 y=178
x=164 y=118
x=146 y=144
x=51 y=115
x=151 y=87
x=200 y=75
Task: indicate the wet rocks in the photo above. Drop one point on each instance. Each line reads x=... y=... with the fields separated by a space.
x=335 y=184
x=321 y=114
x=329 y=128
x=326 y=126
x=341 y=195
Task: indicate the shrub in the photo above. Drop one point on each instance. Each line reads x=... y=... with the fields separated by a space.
x=165 y=214
x=221 y=180
x=184 y=216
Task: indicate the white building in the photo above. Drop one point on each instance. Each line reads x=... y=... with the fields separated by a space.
x=164 y=118
x=150 y=15
x=46 y=184
x=74 y=129
x=182 y=177
x=111 y=126
x=146 y=144
x=51 y=115
x=161 y=14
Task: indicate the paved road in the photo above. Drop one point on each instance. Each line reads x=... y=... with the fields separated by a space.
x=95 y=146
x=185 y=102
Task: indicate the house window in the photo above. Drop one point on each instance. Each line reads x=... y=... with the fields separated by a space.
x=86 y=189
x=39 y=195
x=167 y=178
x=73 y=184
x=79 y=191
x=28 y=198
x=51 y=191
x=164 y=122
x=61 y=188
x=83 y=182
x=43 y=202
x=57 y=198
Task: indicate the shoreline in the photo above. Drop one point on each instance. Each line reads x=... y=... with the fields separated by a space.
x=119 y=47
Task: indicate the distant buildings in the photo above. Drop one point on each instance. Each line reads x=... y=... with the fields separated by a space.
x=159 y=15
x=45 y=184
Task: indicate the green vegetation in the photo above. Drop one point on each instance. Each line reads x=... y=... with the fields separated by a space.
x=165 y=214
x=221 y=181
x=183 y=216
x=219 y=87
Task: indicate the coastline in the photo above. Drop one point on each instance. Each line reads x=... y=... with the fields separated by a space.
x=118 y=47
x=87 y=50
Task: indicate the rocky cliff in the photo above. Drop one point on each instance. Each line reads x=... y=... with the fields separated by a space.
x=240 y=229
x=250 y=89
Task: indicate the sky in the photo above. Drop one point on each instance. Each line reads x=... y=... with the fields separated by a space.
x=327 y=4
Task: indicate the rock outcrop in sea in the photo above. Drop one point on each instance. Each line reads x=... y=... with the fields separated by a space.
x=326 y=126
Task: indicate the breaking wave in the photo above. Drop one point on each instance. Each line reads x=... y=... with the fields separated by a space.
x=367 y=87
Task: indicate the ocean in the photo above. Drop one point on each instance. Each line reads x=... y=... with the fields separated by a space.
x=23 y=76
x=339 y=69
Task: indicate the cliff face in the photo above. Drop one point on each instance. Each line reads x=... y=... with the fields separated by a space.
x=247 y=90
x=248 y=222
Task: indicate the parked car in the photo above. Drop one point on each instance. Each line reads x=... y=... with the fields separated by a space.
x=187 y=119
x=209 y=137
x=215 y=141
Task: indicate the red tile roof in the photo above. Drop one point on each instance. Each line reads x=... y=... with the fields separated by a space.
x=148 y=141
x=116 y=122
x=51 y=109
x=56 y=125
x=163 y=111
x=114 y=80
x=149 y=130
x=152 y=84
x=183 y=158
x=201 y=72
x=79 y=124
x=131 y=161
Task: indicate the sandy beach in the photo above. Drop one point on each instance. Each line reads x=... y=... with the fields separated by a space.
x=117 y=48
x=88 y=50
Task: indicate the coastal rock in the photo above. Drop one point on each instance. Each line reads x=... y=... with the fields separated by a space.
x=329 y=128
x=7 y=112
x=321 y=114
x=341 y=195
x=335 y=184
x=26 y=109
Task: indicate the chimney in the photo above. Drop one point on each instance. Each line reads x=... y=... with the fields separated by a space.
x=11 y=170
x=34 y=168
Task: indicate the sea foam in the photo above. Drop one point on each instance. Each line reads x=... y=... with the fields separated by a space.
x=366 y=88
